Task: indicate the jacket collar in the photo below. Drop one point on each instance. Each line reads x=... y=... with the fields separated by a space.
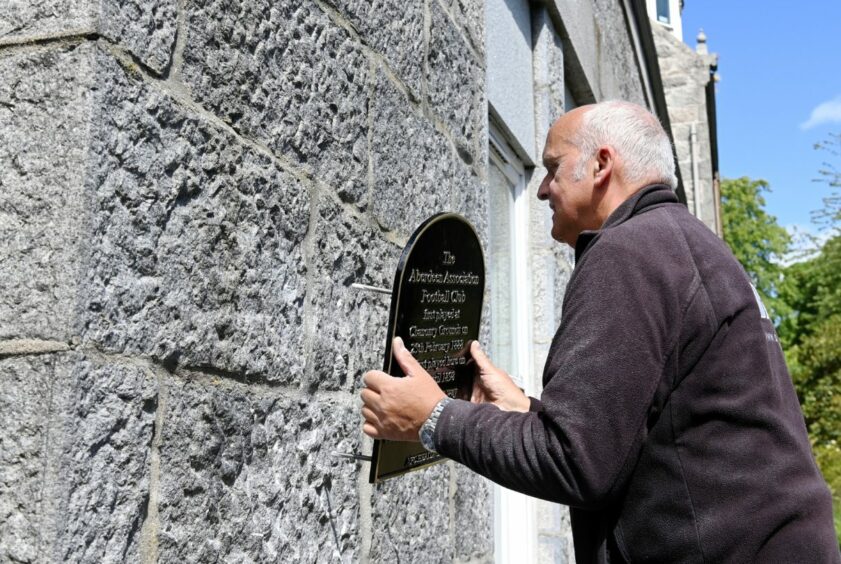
x=640 y=201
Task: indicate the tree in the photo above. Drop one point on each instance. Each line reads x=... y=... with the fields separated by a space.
x=811 y=335
x=830 y=214
x=755 y=238
x=811 y=331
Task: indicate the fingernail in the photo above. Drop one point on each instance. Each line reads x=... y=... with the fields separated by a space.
x=398 y=342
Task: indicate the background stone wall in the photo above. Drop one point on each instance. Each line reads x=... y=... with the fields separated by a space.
x=187 y=192
x=685 y=76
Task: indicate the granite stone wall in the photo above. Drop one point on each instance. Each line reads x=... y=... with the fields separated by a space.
x=685 y=76
x=188 y=190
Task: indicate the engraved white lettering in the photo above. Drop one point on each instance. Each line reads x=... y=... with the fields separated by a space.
x=447 y=277
x=441 y=314
x=423 y=332
x=434 y=297
x=452 y=330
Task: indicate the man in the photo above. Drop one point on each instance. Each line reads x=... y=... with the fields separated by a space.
x=668 y=421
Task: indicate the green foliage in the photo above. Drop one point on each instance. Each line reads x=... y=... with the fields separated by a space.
x=811 y=334
x=812 y=291
x=817 y=376
x=828 y=458
x=755 y=238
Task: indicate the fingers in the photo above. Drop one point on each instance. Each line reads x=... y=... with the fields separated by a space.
x=407 y=362
x=374 y=379
x=372 y=425
x=369 y=397
x=371 y=431
x=370 y=417
x=482 y=360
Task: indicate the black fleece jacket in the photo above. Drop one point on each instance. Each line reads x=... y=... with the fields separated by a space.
x=668 y=421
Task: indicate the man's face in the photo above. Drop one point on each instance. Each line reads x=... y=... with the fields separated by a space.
x=571 y=200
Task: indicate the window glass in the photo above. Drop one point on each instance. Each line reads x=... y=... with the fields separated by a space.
x=663 y=11
x=500 y=261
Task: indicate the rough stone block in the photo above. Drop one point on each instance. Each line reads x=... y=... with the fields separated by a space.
x=102 y=473
x=471 y=17
x=618 y=70
x=540 y=352
x=686 y=114
x=548 y=517
x=543 y=285
x=411 y=516
x=25 y=20
x=196 y=250
x=485 y=329
x=473 y=515
x=551 y=550
x=580 y=24
x=554 y=533
x=395 y=30
x=248 y=476
x=44 y=111
x=74 y=458
x=284 y=74
x=470 y=199
x=548 y=76
x=412 y=163
x=349 y=324
x=665 y=44
x=540 y=215
x=146 y=28
x=564 y=264
x=456 y=81
x=24 y=417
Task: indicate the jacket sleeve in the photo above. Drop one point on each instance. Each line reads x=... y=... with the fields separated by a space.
x=620 y=322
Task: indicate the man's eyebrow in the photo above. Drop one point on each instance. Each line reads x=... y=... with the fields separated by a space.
x=549 y=162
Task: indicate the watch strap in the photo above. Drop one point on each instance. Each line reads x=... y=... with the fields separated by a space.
x=426 y=434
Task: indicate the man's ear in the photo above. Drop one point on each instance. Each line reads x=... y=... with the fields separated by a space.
x=605 y=161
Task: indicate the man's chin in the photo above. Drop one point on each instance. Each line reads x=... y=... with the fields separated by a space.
x=559 y=237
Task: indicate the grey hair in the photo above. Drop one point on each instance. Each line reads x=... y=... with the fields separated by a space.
x=635 y=134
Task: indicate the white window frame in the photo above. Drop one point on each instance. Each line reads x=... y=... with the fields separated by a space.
x=515 y=514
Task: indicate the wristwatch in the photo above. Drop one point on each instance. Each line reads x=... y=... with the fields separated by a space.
x=427 y=430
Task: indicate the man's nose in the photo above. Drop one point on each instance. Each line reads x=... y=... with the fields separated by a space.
x=543 y=190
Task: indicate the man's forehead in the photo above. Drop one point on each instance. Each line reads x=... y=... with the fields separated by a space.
x=562 y=132
x=556 y=140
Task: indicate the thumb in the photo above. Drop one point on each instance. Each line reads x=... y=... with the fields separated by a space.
x=410 y=366
x=482 y=360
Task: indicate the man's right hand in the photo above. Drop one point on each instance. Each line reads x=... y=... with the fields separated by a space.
x=493 y=385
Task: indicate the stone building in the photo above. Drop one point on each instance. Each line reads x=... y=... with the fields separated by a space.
x=189 y=192
x=689 y=80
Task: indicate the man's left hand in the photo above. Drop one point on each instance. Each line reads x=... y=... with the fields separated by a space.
x=396 y=408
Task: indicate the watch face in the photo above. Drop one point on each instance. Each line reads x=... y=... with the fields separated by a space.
x=427 y=438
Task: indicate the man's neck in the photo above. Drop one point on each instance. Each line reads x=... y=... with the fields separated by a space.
x=616 y=194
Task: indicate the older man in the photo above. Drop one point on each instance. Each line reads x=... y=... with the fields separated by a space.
x=668 y=421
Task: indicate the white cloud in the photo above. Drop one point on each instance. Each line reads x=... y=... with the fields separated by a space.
x=825 y=112
x=806 y=243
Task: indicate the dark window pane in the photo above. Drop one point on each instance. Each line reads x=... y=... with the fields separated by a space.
x=663 y=11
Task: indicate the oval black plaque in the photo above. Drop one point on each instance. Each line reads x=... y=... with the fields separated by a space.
x=436 y=308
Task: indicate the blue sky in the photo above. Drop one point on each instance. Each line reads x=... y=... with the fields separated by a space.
x=779 y=94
